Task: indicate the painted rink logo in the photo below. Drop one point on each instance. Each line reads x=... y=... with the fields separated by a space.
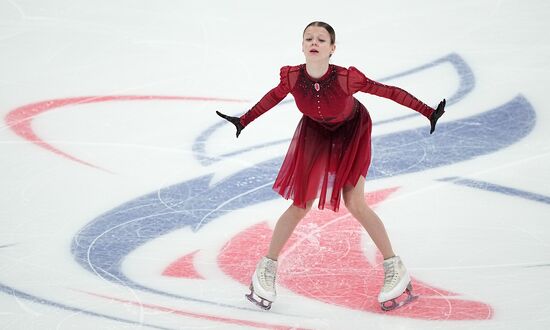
x=102 y=246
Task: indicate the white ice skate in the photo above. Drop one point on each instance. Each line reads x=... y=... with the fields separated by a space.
x=262 y=288
x=396 y=282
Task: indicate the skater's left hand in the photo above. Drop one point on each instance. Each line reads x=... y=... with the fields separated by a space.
x=436 y=114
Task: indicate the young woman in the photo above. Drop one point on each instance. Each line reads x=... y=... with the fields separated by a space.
x=329 y=155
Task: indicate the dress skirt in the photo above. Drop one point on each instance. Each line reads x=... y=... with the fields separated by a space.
x=322 y=159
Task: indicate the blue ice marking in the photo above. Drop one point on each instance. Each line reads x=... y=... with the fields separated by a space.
x=460 y=140
x=487 y=186
x=465 y=74
x=101 y=246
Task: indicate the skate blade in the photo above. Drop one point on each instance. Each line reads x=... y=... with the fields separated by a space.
x=257 y=300
x=395 y=304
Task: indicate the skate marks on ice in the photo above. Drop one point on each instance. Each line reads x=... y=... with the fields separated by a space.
x=208 y=317
x=77 y=310
x=324 y=261
x=141 y=305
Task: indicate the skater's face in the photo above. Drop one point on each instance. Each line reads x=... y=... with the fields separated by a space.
x=316 y=44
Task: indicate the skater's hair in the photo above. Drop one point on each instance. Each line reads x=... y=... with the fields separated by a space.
x=327 y=27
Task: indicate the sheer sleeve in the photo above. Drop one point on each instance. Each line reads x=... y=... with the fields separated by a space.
x=357 y=81
x=271 y=99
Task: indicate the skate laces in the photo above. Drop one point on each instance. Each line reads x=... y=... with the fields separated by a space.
x=391 y=277
x=268 y=273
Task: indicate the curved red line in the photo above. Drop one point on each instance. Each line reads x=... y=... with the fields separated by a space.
x=20 y=119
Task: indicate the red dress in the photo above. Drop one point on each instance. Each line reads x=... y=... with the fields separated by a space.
x=331 y=147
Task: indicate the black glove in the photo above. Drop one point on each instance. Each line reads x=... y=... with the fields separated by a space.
x=233 y=120
x=436 y=114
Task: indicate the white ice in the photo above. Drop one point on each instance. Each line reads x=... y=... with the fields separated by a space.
x=483 y=245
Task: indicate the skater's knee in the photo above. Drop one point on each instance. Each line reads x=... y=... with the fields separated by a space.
x=354 y=205
x=301 y=212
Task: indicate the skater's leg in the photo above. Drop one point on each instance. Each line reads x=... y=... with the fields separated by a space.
x=262 y=289
x=284 y=228
x=354 y=198
x=396 y=276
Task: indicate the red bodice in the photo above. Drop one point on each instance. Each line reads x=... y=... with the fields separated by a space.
x=329 y=100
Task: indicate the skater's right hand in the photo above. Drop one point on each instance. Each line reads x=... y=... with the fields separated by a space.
x=233 y=120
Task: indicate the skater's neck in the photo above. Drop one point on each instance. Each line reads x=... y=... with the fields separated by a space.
x=317 y=69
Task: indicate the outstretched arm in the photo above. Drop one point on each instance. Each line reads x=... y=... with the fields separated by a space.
x=398 y=95
x=403 y=97
x=357 y=81
x=271 y=99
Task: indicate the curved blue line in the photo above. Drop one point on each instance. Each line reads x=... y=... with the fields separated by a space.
x=460 y=140
x=199 y=145
x=465 y=74
x=101 y=246
x=258 y=146
x=466 y=85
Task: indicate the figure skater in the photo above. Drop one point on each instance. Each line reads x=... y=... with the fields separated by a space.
x=329 y=156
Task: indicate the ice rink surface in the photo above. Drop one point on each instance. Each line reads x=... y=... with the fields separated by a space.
x=126 y=203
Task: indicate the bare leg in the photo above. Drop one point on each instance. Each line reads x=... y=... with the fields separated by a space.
x=354 y=197
x=284 y=228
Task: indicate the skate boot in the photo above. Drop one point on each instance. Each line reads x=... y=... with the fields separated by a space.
x=396 y=282
x=262 y=288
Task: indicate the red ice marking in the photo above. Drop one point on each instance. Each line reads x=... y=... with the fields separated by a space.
x=183 y=267
x=196 y=315
x=324 y=260
x=20 y=119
